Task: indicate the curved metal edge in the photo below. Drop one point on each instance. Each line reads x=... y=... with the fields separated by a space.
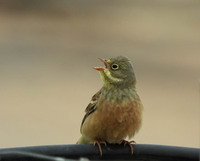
x=111 y=152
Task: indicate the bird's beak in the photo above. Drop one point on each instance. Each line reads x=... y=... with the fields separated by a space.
x=102 y=68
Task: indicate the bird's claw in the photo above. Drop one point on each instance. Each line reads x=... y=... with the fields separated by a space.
x=129 y=144
x=99 y=145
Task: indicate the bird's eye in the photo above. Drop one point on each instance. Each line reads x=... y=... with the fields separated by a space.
x=115 y=66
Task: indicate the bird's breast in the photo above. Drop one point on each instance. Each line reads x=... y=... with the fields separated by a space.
x=117 y=116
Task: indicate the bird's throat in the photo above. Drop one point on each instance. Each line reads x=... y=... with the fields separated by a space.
x=108 y=80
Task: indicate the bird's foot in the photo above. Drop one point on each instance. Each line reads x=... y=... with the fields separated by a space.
x=129 y=144
x=99 y=145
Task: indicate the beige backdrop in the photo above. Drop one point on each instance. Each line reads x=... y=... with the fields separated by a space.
x=48 y=49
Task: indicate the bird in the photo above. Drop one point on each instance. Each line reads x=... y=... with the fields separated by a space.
x=115 y=111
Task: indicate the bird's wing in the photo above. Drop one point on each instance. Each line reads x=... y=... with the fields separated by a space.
x=91 y=106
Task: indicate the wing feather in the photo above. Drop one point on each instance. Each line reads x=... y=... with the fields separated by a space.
x=91 y=106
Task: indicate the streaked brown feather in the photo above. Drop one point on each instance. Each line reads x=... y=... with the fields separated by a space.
x=91 y=106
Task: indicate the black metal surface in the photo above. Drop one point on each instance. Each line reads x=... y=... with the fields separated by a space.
x=110 y=152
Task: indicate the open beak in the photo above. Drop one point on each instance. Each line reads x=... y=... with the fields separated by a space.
x=102 y=68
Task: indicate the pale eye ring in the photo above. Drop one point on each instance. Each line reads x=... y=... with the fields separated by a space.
x=115 y=66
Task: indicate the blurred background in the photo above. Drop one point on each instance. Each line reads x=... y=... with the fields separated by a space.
x=48 y=49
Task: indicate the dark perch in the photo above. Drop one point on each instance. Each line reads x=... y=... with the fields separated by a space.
x=111 y=152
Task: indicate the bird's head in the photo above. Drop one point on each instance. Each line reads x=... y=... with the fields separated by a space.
x=117 y=72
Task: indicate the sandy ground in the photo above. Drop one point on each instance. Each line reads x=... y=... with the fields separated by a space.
x=47 y=52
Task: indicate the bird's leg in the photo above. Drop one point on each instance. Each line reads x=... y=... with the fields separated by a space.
x=99 y=145
x=129 y=144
